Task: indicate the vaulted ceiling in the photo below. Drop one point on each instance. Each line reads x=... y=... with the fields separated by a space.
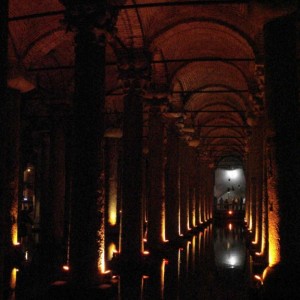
x=205 y=57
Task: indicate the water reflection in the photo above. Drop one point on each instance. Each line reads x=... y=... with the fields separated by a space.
x=229 y=246
x=208 y=265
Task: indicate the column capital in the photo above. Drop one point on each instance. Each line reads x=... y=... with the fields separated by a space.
x=134 y=65
x=89 y=14
x=258 y=93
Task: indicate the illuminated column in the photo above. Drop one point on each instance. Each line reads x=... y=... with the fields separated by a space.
x=197 y=190
x=258 y=151
x=281 y=66
x=3 y=102
x=172 y=182
x=211 y=172
x=135 y=71
x=112 y=159
x=87 y=200
x=201 y=183
x=156 y=205
x=248 y=184
x=273 y=205
x=12 y=163
x=184 y=186
x=192 y=164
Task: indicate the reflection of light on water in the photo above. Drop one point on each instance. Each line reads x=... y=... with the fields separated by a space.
x=178 y=261
x=162 y=277
x=232 y=260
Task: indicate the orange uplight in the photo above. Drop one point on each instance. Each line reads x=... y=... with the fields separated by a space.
x=230 y=226
x=146 y=252
x=66 y=268
x=257 y=277
x=230 y=212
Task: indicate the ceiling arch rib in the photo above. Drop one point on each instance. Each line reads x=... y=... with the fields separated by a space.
x=129 y=27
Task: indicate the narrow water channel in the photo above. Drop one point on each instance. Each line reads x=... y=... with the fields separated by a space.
x=212 y=264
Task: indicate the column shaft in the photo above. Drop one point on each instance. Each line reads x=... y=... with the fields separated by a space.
x=281 y=36
x=3 y=97
x=131 y=241
x=156 y=177
x=183 y=187
x=87 y=207
x=172 y=184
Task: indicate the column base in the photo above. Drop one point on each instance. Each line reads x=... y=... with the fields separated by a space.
x=281 y=282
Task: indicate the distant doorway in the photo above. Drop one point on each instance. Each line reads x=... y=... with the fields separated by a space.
x=229 y=193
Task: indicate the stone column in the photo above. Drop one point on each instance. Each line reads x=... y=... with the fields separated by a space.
x=281 y=67
x=87 y=199
x=134 y=71
x=172 y=182
x=201 y=183
x=247 y=192
x=12 y=168
x=197 y=191
x=156 y=204
x=258 y=174
x=3 y=97
x=273 y=214
x=10 y=184
x=192 y=165
x=183 y=186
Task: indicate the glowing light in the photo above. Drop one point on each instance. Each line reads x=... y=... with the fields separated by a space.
x=162 y=278
x=232 y=260
x=145 y=277
x=13 y=278
x=230 y=212
x=233 y=174
x=28 y=170
x=145 y=240
x=66 y=268
x=26 y=255
x=257 y=277
x=112 y=209
x=111 y=251
x=163 y=222
x=230 y=226
x=101 y=249
x=146 y=252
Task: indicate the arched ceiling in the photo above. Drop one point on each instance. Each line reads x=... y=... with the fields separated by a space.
x=203 y=56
